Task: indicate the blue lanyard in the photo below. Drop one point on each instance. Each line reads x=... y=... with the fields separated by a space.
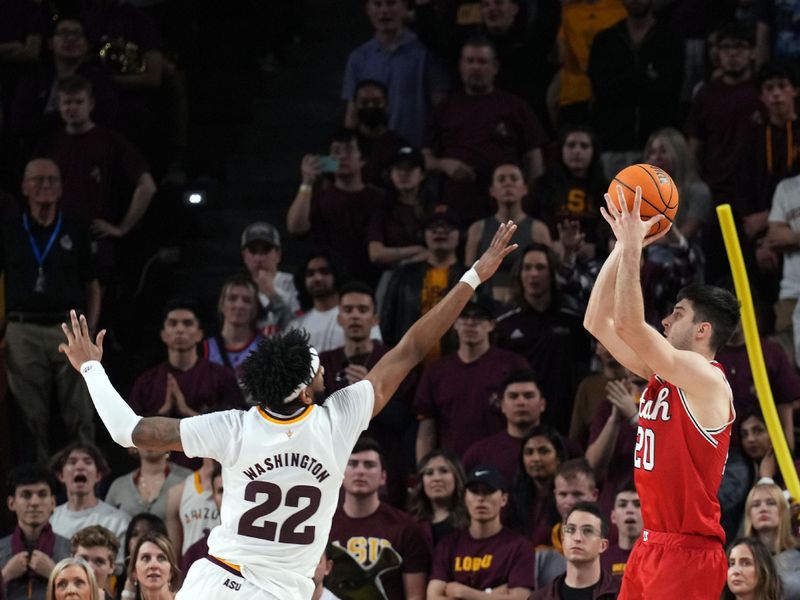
x=40 y=256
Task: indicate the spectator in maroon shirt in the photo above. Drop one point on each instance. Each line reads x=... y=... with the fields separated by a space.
x=395 y=427
x=585 y=540
x=542 y=327
x=437 y=499
x=612 y=436
x=627 y=516
x=477 y=129
x=533 y=509
x=396 y=232
x=485 y=558
x=718 y=126
x=380 y=144
x=337 y=215
x=387 y=545
x=185 y=384
x=457 y=396
x=199 y=549
x=99 y=166
x=522 y=404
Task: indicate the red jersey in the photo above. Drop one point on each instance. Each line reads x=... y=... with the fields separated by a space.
x=678 y=464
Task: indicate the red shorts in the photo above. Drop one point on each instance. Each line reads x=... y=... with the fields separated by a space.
x=672 y=565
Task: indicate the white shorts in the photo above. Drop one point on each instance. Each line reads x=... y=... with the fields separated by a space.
x=206 y=579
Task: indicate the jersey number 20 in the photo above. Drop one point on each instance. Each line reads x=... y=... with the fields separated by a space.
x=645 y=451
x=289 y=533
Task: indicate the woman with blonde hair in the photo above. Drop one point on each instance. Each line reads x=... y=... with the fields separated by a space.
x=667 y=149
x=153 y=569
x=72 y=578
x=768 y=518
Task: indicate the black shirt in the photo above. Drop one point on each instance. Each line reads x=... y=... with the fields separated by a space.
x=569 y=593
x=67 y=268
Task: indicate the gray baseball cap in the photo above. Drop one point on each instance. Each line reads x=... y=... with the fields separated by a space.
x=261 y=231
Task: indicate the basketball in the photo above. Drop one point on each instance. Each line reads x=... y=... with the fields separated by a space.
x=659 y=194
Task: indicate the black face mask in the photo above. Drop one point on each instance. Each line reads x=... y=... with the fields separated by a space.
x=372 y=116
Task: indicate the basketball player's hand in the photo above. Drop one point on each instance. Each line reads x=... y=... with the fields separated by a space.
x=627 y=225
x=79 y=347
x=16 y=566
x=41 y=564
x=489 y=262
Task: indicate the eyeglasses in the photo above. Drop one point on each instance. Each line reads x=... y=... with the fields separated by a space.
x=587 y=531
x=40 y=180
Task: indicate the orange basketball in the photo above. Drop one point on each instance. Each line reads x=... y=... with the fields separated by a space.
x=659 y=194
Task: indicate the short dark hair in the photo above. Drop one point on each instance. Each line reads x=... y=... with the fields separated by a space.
x=74 y=84
x=776 y=70
x=521 y=376
x=358 y=287
x=371 y=83
x=277 y=366
x=29 y=474
x=593 y=509
x=60 y=458
x=155 y=523
x=367 y=444
x=480 y=40
x=715 y=305
x=626 y=486
x=339 y=278
x=736 y=31
x=189 y=304
x=577 y=466
x=95 y=535
x=346 y=135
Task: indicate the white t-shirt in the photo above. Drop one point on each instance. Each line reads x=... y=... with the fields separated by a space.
x=282 y=479
x=324 y=330
x=66 y=522
x=786 y=209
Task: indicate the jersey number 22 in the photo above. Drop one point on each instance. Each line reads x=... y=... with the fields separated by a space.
x=290 y=532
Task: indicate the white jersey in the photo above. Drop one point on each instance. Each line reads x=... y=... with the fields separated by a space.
x=282 y=479
x=198 y=511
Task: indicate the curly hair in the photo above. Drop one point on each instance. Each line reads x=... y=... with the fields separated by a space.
x=275 y=368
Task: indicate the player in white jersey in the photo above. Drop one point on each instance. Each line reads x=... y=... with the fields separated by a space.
x=282 y=461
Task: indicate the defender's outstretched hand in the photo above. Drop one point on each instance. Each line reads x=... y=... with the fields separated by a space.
x=627 y=225
x=79 y=347
x=490 y=261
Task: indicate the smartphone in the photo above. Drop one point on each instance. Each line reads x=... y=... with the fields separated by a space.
x=328 y=164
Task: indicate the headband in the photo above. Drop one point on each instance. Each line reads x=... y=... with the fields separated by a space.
x=312 y=373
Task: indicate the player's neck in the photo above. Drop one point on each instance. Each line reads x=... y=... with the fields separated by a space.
x=358 y=507
x=183 y=360
x=581 y=575
x=480 y=530
x=31 y=533
x=358 y=347
x=469 y=353
x=76 y=502
x=236 y=334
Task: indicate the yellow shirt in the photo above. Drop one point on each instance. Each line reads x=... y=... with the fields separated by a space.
x=434 y=288
x=581 y=20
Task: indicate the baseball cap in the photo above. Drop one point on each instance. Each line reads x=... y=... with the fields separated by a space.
x=442 y=213
x=477 y=308
x=261 y=231
x=408 y=155
x=487 y=476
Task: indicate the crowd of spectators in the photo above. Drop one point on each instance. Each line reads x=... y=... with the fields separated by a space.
x=503 y=463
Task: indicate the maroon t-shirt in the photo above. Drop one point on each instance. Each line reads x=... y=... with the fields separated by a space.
x=99 y=169
x=207 y=387
x=396 y=225
x=614 y=559
x=620 y=467
x=462 y=397
x=499 y=450
x=339 y=222
x=721 y=116
x=379 y=153
x=783 y=378
x=484 y=131
x=389 y=542
x=505 y=558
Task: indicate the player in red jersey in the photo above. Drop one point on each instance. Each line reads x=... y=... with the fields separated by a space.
x=685 y=416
